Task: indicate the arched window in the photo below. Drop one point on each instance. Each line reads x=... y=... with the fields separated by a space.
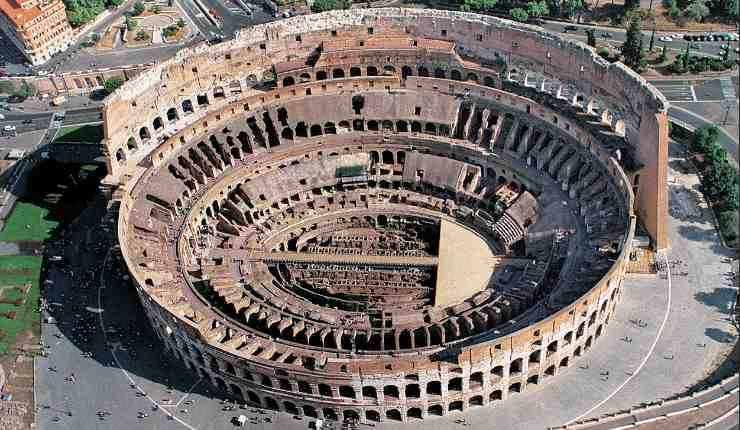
x=337 y=73
x=158 y=123
x=288 y=81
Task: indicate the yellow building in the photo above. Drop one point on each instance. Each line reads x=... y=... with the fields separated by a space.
x=39 y=28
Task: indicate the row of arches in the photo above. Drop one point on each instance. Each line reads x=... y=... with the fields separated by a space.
x=439 y=72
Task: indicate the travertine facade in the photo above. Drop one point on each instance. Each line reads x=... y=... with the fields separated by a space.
x=293 y=204
x=39 y=28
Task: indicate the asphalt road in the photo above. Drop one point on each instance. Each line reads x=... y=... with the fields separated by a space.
x=617 y=36
x=40 y=120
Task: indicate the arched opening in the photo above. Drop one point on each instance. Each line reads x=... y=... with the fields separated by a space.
x=330 y=128
x=393 y=415
x=488 y=81
x=347 y=391
x=350 y=415
x=320 y=75
x=423 y=71
x=372 y=125
x=158 y=123
x=430 y=128
x=310 y=411
x=495 y=395
x=187 y=106
x=434 y=388
x=389 y=70
x=454 y=384
x=515 y=388
x=372 y=71
x=437 y=410
x=120 y=155
x=315 y=130
x=455 y=75
x=172 y=115
x=287 y=133
x=413 y=391
x=406 y=71
x=291 y=408
x=476 y=381
x=144 y=133
x=534 y=379
x=414 y=413
x=516 y=367
x=401 y=126
x=416 y=127
x=456 y=406
x=272 y=404
x=369 y=392
x=476 y=401
x=305 y=77
x=372 y=415
x=439 y=73
x=337 y=73
x=355 y=71
x=325 y=390
x=253 y=398
x=391 y=391
x=288 y=81
x=330 y=414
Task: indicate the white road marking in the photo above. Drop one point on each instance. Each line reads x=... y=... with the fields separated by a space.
x=693 y=93
x=647 y=356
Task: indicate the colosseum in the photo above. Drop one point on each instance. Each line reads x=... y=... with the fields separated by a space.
x=384 y=214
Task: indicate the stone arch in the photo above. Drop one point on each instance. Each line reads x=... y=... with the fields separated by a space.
x=496 y=395
x=414 y=413
x=310 y=411
x=272 y=404
x=329 y=414
x=423 y=71
x=372 y=125
x=488 y=81
x=316 y=130
x=252 y=397
x=321 y=75
x=415 y=127
x=236 y=391
x=372 y=415
x=355 y=71
x=330 y=128
x=372 y=71
x=120 y=155
x=455 y=75
x=472 y=77
x=437 y=410
x=350 y=415
x=347 y=391
x=389 y=70
x=288 y=81
x=391 y=391
x=290 y=408
x=287 y=133
x=412 y=391
x=172 y=115
x=157 y=123
x=337 y=73
x=440 y=73
x=430 y=128
x=144 y=133
x=455 y=384
x=476 y=401
x=406 y=71
x=393 y=415
x=344 y=126
x=187 y=106
x=455 y=406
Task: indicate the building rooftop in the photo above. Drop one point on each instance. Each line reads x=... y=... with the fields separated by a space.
x=17 y=14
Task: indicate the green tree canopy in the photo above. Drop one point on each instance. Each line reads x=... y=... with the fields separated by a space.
x=632 y=50
x=572 y=7
x=519 y=14
x=324 y=5
x=477 y=5
x=112 y=84
x=538 y=8
x=138 y=9
x=697 y=10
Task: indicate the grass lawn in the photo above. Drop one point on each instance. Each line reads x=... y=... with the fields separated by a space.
x=23 y=215
x=18 y=271
x=80 y=134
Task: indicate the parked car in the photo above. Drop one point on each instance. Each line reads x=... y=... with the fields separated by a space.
x=666 y=39
x=606 y=35
x=570 y=28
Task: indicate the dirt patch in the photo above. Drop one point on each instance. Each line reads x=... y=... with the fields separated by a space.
x=18 y=366
x=9 y=315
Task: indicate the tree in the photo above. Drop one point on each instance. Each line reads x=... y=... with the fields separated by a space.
x=324 y=5
x=142 y=35
x=632 y=50
x=156 y=9
x=519 y=14
x=114 y=3
x=572 y=7
x=697 y=10
x=663 y=54
x=138 y=9
x=631 y=4
x=591 y=37
x=477 y=5
x=131 y=24
x=181 y=23
x=538 y=9
x=25 y=90
x=112 y=84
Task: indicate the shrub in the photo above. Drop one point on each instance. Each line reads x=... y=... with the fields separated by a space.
x=138 y=9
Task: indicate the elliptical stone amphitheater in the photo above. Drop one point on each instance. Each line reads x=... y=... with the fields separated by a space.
x=384 y=214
